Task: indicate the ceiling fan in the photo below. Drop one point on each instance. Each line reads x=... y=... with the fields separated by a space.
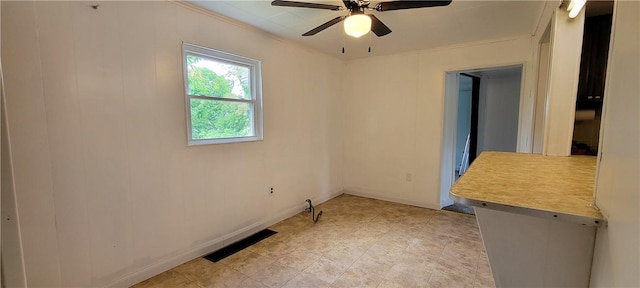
x=357 y=23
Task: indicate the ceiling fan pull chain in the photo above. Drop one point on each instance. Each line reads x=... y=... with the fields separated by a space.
x=369 y=41
x=343 y=43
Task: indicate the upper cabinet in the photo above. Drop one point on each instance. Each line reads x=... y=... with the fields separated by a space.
x=593 y=64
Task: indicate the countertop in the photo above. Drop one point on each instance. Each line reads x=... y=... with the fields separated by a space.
x=553 y=187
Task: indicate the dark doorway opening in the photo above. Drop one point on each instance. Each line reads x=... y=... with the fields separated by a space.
x=475 y=102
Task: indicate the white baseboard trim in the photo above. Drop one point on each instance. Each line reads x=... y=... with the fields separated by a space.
x=447 y=202
x=215 y=244
x=392 y=199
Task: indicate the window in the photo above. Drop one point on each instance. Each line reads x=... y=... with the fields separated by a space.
x=223 y=95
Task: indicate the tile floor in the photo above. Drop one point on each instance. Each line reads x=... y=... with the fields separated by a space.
x=358 y=242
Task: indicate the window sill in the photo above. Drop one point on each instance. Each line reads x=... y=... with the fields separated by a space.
x=223 y=141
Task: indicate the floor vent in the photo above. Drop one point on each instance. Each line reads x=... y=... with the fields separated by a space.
x=238 y=246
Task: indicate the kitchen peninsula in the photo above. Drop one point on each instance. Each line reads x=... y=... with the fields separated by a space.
x=536 y=216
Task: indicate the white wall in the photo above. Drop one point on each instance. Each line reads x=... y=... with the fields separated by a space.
x=393 y=116
x=564 y=72
x=541 y=97
x=106 y=186
x=12 y=264
x=616 y=261
x=498 y=113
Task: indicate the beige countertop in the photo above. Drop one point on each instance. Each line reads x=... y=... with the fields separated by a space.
x=542 y=186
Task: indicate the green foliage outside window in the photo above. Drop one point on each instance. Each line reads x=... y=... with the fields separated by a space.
x=211 y=118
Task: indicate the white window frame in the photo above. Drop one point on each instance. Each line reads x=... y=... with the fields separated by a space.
x=255 y=83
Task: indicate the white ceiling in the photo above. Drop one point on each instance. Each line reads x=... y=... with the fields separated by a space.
x=460 y=22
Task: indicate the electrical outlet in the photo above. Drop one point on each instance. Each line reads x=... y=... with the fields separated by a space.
x=271 y=191
x=409 y=177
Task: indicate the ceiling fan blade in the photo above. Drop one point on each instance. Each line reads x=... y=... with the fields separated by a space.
x=305 y=5
x=329 y=23
x=377 y=27
x=399 y=5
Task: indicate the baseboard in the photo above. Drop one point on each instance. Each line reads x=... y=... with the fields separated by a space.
x=325 y=198
x=447 y=202
x=215 y=244
x=392 y=199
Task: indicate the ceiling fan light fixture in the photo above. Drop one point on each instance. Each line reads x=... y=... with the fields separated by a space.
x=357 y=25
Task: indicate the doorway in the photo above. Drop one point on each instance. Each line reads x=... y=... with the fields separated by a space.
x=481 y=114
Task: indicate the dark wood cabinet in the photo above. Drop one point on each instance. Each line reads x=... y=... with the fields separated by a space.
x=593 y=65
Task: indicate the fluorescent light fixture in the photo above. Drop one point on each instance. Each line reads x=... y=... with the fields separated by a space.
x=357 y=25
x=574 y=7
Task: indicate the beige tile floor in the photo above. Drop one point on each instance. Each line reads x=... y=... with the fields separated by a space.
x=358 y=242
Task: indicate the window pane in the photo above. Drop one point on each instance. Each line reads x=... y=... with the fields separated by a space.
x=207 y=77
x=220 y=119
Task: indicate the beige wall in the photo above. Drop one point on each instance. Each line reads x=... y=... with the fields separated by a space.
x=106 y=186
x=394 y=111
x=616 y=260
